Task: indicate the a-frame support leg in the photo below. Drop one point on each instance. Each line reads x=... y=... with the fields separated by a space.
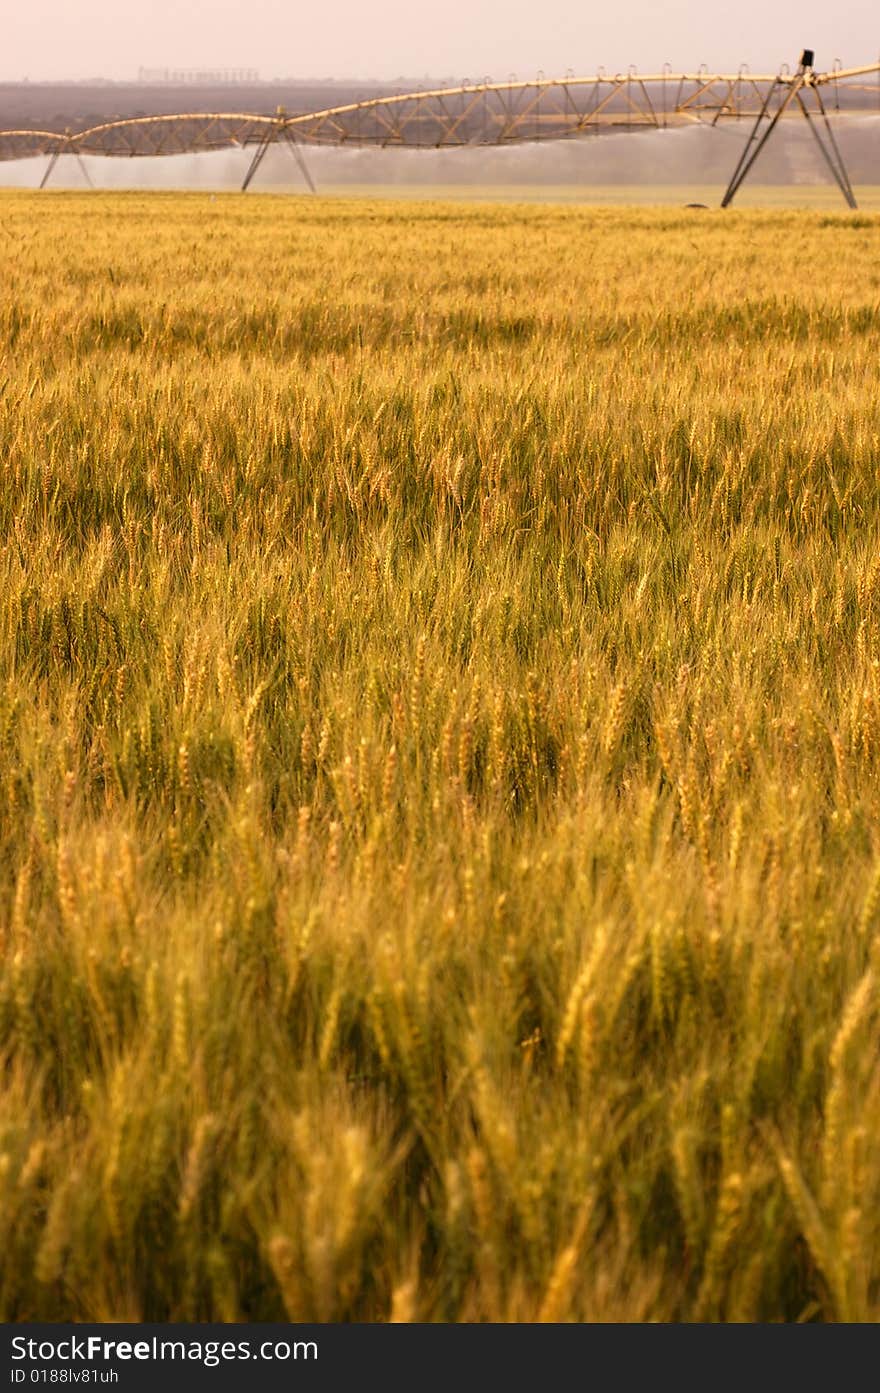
x=53 y=160
x=830 y=151
x=758 y=139
x=85 y=173
x=259 y=155
x=60 y=149
x=802 y=84
x=296 y=150
x=283 y=132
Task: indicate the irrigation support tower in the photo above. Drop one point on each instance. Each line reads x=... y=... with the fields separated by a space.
x=802 y=88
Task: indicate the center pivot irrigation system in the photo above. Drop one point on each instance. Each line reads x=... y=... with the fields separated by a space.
x=498 y=114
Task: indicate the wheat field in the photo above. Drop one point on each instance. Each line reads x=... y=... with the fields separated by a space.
x=439 y=762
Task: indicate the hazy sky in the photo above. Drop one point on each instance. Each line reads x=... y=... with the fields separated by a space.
x=460 y=38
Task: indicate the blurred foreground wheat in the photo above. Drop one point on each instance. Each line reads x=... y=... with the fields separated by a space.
x=439 y=762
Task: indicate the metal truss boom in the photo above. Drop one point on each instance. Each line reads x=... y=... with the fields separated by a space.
x=493 y=114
